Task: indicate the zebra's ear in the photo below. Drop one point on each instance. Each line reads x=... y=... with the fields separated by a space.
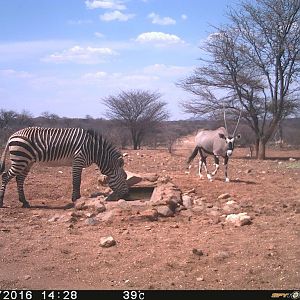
x=222 y=136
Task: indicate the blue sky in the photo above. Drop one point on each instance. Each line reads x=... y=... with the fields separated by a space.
x=64 y=56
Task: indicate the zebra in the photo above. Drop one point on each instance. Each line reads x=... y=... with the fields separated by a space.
x=84 y=147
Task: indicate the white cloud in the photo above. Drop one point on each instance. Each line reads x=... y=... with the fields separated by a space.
x=167 y=70
x=159 y=37
x=79 y=22
x=81 y=55
x=14 y=74
x=184 y=17
x=156 y=19
x=120 y=79
x=116 y=16
x=108 y=4
x=96 y=75
x=99 y=34
x=25 y=50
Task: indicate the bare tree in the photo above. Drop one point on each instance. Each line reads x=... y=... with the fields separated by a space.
x=138 y=110
x=253 y=66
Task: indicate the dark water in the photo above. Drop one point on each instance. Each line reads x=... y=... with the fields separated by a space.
x=140 y=193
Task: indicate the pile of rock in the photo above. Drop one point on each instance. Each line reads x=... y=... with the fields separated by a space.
x=166 y=200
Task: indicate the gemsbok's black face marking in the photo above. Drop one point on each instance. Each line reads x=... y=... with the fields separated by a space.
x=217 y=143
x=230 y=141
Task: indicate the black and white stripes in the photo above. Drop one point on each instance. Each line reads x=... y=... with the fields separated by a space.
x=84 y=147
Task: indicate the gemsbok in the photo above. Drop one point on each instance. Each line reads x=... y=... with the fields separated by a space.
x=217 y=143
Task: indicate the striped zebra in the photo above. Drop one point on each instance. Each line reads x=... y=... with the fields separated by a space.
x=83 y=147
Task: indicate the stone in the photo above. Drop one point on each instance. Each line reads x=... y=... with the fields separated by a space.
x=166 y=194
x=99 y=206
x=187 y=201
x=91 y=221
x=231 y=207
x=102 y=179
x=123 y=204
x=164 y=211
x=107 y=216
x=238 y=219
x=221 y=255
x=199 y=201
x=133 y=178
x=54 y=218
x=191 y=191
x=150 y=177
x=292 y=159
x=80 y=204
x=224 y=196
x=149 y=214
x=197 y=252
x=107 y=242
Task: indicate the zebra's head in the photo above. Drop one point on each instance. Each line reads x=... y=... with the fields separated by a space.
x=110 y=162
x=117 y=182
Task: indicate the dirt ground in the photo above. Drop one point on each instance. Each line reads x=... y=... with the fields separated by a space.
x=39 y=253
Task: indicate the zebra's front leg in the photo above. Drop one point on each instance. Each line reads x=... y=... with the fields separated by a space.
x=225 y=168
x=6 y=177
x=76 y=173
x=20 y=185
x=217 y=163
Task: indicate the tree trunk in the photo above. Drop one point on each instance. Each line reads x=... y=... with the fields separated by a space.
x=256 y=147
x=262 y=150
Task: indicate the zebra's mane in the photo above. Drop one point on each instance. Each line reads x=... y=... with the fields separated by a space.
x=100 y=138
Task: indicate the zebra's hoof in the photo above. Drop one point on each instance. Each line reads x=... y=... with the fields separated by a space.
x=74 y=198
x=26 y=205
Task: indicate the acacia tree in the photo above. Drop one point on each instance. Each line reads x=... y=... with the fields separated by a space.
x=253 y=67
x=138 y=110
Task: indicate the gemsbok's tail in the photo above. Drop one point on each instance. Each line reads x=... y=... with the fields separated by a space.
x=2 y=161
x=193 y=155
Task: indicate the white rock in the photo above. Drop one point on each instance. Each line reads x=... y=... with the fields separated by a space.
x=187 y=201
x=238 y=219
x=107 y=242
x=224 y=196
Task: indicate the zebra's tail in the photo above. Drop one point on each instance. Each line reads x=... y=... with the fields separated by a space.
x=193 y=155
x=2 y=161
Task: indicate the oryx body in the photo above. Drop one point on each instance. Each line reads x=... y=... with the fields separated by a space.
x=213 y=142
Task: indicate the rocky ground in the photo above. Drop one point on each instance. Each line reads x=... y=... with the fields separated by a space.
x=195 y=234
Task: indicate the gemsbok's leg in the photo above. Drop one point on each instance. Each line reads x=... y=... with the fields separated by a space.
x=203 y=162
x=217 y=163
x=225 y=168
x=200 y=168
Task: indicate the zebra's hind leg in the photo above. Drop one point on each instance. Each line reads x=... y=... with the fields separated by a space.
x=20 y=185
x=6 y=177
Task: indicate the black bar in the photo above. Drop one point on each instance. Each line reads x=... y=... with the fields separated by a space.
x=147 y=294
